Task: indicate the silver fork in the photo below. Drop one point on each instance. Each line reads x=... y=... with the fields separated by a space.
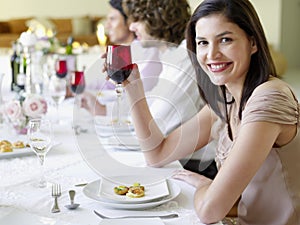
x=168 y=216
x=56 y=192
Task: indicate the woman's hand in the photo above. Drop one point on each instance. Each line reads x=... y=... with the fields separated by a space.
x=134 y=75
x=192 y=178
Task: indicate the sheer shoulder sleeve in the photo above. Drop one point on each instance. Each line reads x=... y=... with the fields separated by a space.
x=277 y=106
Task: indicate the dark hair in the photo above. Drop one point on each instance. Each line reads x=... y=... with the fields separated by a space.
x=165 y=20
x=243 y=14
x=117 y=4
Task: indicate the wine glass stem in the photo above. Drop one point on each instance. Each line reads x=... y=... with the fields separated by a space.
x=42 y=182
x=119 y=91
x=57 y=113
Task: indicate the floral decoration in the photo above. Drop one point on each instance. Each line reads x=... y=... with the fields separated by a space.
x=20 y=111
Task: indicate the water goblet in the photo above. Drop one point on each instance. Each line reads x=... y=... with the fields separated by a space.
x=57 y=91
x=77 y=86
x=40 y=137
x=119 y=67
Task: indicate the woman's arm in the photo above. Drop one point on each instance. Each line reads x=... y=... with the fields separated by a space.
x=160 y=150
x=213 y=200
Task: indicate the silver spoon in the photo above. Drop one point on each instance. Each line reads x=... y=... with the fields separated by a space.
x=72 y=205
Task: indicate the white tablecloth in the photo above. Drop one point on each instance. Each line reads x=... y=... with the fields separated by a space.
x=76 y=159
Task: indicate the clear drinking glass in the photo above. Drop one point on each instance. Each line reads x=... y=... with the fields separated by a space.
x=119 y=67
x=40 y=138
x=57 y=91
x=77 y=86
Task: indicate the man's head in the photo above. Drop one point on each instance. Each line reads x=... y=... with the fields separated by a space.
x=163 y=20
x=116 y=24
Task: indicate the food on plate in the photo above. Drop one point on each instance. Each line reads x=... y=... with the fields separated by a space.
x=6 y=148
x=121 y=190
x=134 y=191
x=18 y=144
x=5 y=142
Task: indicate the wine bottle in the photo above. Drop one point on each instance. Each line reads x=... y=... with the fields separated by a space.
x=21 y=77
x=15 y=66
x=69 y=47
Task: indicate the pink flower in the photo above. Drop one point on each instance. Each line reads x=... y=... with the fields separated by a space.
x=13 y=110
x=34 y=106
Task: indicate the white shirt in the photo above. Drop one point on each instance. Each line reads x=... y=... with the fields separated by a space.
x=175 y=98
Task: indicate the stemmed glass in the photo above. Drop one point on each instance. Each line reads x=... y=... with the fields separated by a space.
x=39 y=137
x=119 y=66
x=77 y=86
x=57 y=91
x=61 y=68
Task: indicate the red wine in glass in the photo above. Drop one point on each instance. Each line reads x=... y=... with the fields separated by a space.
x=77 y=82
x=61 y=68
x=119 y=67
x=118 y=62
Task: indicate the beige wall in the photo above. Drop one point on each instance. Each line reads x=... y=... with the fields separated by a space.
x=54 y=8
x=269 y=11
x=270 y=14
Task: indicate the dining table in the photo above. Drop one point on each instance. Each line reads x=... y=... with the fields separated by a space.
x=79 y=160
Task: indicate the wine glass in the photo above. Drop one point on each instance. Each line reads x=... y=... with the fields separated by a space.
x=39 y=137
x=77 y=86
x=77 y=82
x=61 y=68
x=119 y=66
x=57 y=91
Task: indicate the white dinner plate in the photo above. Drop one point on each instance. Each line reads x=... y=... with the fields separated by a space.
x=91 y=190
x=20 y=152
x=153 y=189
x=105 y=124
x=121 y=142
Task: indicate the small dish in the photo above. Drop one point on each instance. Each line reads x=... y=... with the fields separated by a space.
x=91 y=191
x=153 y=189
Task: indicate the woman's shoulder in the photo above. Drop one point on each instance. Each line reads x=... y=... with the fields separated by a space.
x=274 y=85
x=272 y=101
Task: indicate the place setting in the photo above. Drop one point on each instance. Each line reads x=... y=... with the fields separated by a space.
x=132 y=192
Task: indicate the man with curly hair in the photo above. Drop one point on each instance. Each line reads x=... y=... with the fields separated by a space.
x=175 y=98
x=162 y=24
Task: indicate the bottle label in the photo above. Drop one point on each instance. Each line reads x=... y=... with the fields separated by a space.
x=21 y=79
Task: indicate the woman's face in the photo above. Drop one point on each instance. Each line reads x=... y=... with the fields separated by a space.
x=223 y=50
x=117 y=29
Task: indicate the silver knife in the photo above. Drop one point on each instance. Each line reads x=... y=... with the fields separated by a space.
x=167 y=216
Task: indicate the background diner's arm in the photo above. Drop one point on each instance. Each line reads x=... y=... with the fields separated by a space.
x=159 y=150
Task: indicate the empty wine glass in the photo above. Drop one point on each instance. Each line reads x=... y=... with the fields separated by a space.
x=119 y=66
x=57 y=91
x=39 y=137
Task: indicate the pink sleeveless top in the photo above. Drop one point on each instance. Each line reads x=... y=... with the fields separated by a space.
x=273 y=195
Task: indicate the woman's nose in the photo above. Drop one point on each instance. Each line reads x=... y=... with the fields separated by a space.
x=213 y=52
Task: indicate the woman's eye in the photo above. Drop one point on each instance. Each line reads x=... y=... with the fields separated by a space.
x=225 y=40
x=202 y=43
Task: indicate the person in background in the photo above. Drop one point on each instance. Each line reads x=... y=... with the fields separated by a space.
x=253 y=115
x=175 y=98
x=117 y=29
